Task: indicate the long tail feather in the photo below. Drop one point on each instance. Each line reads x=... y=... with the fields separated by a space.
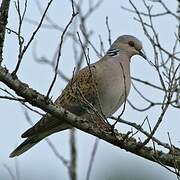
x=26 y=145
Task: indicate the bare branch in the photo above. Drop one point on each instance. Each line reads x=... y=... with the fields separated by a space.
x=31 y=39
x=109 y=31
x=4 y=9
x=92 y=158
x=59 y=52
x=125 y=98
x=17 y=169
x=50 y=144
x=139 y=128
x=9 y=171
x=73 y=154
x=147 y=83
x=129 y=144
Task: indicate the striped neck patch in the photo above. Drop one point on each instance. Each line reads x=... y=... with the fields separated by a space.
x=113 y=52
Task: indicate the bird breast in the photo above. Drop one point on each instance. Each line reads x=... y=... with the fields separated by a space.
x=113 y=85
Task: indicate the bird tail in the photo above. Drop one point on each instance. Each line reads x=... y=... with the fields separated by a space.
x=43 y=128
x=26 y=145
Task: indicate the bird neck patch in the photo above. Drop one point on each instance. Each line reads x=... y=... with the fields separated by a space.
x=113 y=52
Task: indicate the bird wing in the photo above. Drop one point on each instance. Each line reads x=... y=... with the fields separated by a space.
x=78 y=95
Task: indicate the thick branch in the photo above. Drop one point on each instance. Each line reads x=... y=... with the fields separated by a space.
x=118 y=139
x=3 y=22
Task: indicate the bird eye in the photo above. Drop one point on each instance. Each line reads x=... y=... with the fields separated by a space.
x=131 y=43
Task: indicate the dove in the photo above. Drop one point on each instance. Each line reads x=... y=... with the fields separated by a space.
x=94 y=93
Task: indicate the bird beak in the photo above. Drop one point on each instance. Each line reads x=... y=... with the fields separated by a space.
x=142 y=54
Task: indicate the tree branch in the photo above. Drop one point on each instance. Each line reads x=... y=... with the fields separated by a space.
x=118 y=139
x=4 y=9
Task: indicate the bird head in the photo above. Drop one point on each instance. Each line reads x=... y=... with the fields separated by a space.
x=128 y=44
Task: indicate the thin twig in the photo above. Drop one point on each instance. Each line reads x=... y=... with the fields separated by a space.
x=13 y=99
x=9 y=171
x=125 y=95
x=172 y=151
x=94 y=151
x=73 y=154
x=50 y=144
x=147 y=83
x=139 y=128
x=31 y=39
x=20 y=40
x=164 y=109
x=59 y=53
x=109 y=30
x=17 y=169
x=9 y=30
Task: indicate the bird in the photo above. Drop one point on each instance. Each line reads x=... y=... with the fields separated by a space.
x=94 y=93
